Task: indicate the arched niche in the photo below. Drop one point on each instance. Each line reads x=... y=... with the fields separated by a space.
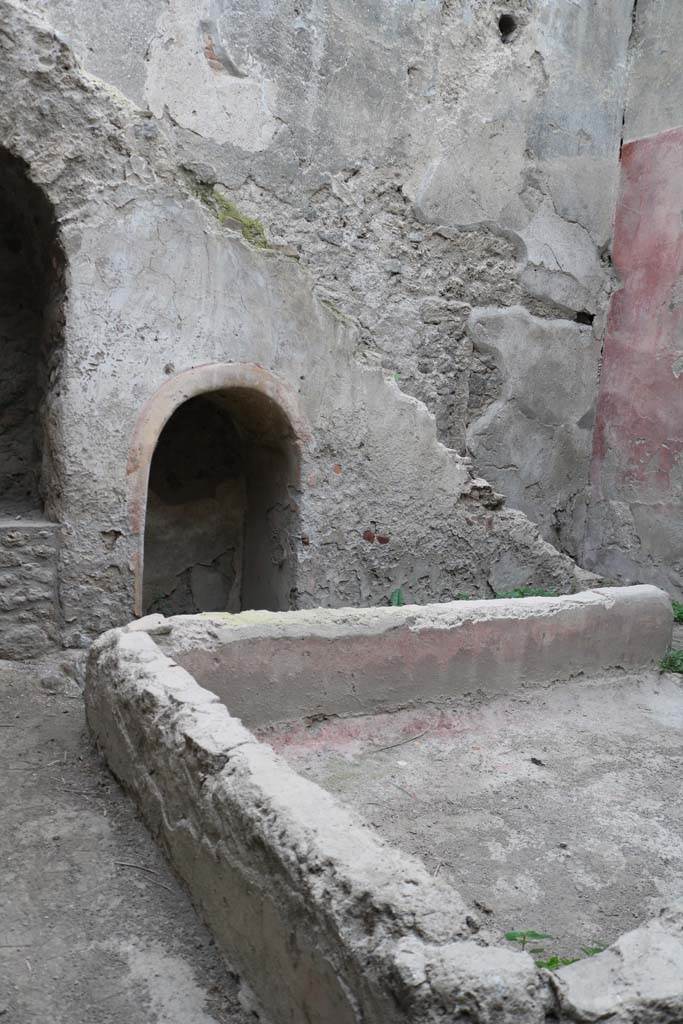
x=214 y=472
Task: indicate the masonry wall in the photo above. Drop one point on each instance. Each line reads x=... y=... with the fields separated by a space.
x=29 y=607
x=635 y=526
x=163 y=279
x=426 y=167
x=394 y=211
x=452 y=188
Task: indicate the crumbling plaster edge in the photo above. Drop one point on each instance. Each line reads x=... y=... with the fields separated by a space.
x=212 y=629
x=138 y=700
x=173 y=702
x=423 y=946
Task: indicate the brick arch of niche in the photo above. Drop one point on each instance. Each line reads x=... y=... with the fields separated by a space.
x=248 y=390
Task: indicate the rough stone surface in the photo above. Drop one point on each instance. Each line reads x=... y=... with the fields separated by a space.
x=379 y=110
x=637 y=981
x=268 y=668
x=293 y=870
x=95 y=927
x=29 y=608
x=286 y=876
x=555 y=807
x=158 y=285
x=533 y=441
x=340 y=130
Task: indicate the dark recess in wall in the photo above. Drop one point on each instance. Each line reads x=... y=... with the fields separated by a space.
x=221 y=525
x=507 y=26
x=31 y=294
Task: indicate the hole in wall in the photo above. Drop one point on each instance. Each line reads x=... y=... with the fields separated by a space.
x=507 y=26
x=584 y=317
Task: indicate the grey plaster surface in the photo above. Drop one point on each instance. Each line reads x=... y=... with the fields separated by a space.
x=533 y=442
x=552 y=808
x=160 y=285
x=418 y=165
x=342 y=128
x=273 y=666
x=655 y=87
x=94 y=928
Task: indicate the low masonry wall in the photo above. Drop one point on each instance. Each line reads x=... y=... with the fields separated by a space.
x=326 y=922
x=269 y=667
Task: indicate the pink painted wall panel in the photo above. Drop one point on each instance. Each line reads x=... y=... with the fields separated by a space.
x=637 y=465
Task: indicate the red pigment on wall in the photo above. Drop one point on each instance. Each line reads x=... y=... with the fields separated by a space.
x=639 y=424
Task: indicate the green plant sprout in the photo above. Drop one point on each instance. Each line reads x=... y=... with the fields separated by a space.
x=548 y=963
x=677 y=610
x=396 y=598
x=553 y=963
x=523 y=937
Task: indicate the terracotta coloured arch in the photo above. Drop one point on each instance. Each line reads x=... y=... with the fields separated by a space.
x=244 y=380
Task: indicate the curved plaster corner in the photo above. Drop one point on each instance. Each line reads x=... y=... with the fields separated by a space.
x=158 y=409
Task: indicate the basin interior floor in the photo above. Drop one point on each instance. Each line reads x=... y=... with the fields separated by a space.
x=555 y=808
x=94 y=928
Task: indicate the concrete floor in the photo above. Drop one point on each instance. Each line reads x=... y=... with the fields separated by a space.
x=94 y=929
x=556 y=808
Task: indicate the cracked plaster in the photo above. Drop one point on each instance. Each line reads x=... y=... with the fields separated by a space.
x=156 y=285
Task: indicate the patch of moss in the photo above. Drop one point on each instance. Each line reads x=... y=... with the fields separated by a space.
x=224 y=210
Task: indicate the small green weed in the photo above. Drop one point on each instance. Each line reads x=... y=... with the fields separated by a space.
x=592 y=950
x=555 y=962
x=678 y=610
x=673 y=662
x=549 y=963
x=396 y=598
x=527 y=592
x=523 y=937
x=462 y=597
